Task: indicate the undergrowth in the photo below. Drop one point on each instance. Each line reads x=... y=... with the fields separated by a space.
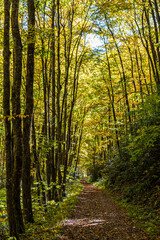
x=3 y=214
x=146 y=217
x=47 y=225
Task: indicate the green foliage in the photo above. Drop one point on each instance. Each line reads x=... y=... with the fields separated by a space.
x=2 y=202
x=47 y=223
x=145 y=217
x=137 y=171
x=47 y=218
x=3 y=214
x=95 y=172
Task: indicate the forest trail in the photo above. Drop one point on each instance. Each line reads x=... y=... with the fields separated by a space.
x=97 y=217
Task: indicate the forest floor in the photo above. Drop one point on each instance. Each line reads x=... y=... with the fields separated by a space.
x=97 y=217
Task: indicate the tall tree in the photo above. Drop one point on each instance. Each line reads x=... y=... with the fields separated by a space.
x=53 y=164
x=26 y=179
x=16 y=112
x=7 y=119
x=58 y=153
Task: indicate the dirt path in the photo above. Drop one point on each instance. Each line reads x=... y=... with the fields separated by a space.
x=97 y=217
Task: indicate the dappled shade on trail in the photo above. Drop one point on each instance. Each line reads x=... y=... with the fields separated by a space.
x=96 y=216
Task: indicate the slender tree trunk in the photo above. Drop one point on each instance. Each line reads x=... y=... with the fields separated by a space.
x=79 y=144
x=157 y=13
x=74 y=144
x=111 y=98
x=75 y=87
x=49 y=162
x=150 y=76
x=6 y=109
x=59 y=151
x=156 y=33
x=53 y=165
x=40 y=186
x=153 y=51
x=132 y=69
x=26 y=177
x=68 y=56
x=139 y=76
x=143 y=72
x=123 y=74
x=16 y=111
x=109 y=126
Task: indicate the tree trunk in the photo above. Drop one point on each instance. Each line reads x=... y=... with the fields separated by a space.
x=111 y=98
x=53 y=165
x=123 y=75
x=6 y=109
x=16 y=111
x=79 y=144
x=139 y=76
x=78 y=62
x=26 y=177
x=143 y=72
x=40 y=185
x=153 y=51
x=59 y=151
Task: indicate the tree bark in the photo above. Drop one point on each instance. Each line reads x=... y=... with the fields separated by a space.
x=79 y=144
x=58 y=152
x=7 y=120
x=139 y=75
x=153 y=51
x=16 y=112
x=123 y=75
x=78 y=62
x=26 y=177
x=53 y=165
x=111 y=98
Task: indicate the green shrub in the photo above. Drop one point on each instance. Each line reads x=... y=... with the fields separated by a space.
x=136 y=171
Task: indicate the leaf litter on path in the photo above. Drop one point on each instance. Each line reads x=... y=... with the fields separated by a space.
x=97 y=217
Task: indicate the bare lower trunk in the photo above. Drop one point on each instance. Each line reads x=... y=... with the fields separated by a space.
x=26 y=179
x=6 y=108
x=16 y=111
